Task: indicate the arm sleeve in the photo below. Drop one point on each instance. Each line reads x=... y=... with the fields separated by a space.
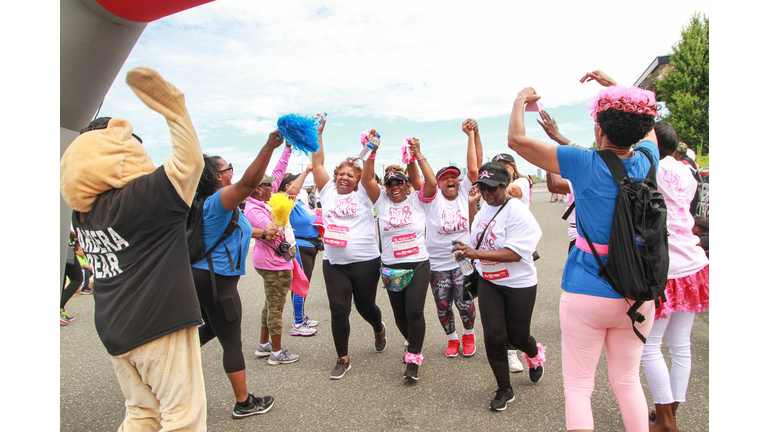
x=280 y=168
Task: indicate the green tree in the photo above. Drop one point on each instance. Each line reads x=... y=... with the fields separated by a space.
x=683 y=85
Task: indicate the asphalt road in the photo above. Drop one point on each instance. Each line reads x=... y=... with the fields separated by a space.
x=452 y=394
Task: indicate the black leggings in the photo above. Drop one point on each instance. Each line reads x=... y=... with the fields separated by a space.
x=342 y=282
x=505 y=313
x=75 y=274
x=225 y=324
x=408 y=305
x=308 y=255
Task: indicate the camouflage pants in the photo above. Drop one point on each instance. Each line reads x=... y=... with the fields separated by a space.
x=276 y=286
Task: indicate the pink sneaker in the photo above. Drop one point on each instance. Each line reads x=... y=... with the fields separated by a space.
x=453 y=348
x=468 y=340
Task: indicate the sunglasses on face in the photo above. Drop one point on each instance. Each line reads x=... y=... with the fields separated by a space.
x=395 y=183
x=485 y=188
x=227 y=169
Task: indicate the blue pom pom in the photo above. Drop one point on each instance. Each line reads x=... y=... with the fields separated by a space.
x=300 y=132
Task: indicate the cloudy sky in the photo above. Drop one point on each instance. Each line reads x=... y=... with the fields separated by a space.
x=408 y=69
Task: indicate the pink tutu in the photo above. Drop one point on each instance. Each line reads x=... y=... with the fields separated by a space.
x=686 y=294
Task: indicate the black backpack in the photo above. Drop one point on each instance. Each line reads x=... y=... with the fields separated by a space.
x=638 y=250
x=698 y=197
x=196 y=246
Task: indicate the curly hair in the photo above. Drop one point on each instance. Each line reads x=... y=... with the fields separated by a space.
x=352 y=163
x=624 y=129
x=209 y=179
x=668 y=138
x=393 y=168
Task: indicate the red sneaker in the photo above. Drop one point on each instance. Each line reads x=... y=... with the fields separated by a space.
x=453 y=348
x=468 y=340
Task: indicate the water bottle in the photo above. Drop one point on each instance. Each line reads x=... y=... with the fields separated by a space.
x=464 y=264
x=319 y=119
x=369 y=147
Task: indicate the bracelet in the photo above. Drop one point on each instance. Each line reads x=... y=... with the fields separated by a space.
x=263 y=234
x=372 y=156
x=419 y=161
x=572 y=144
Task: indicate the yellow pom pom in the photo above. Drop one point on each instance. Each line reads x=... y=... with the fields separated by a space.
x=282 y=206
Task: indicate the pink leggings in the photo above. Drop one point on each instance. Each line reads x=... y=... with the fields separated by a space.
x=587 y=324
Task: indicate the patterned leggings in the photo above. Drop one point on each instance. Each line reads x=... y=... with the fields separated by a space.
x=448 y=288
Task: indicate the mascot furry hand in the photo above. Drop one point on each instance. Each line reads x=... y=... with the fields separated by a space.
x=109 y=158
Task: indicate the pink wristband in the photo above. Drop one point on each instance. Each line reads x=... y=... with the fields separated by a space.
x=372 y=156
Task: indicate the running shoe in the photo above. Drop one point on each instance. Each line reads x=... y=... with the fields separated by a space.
x=536 y=373
x=453 y=348
x=514 y=363
x=310 y=322
x=62 y=321
x=468 y=342
x=282 y=357
x=302 y=330
x=503 y=397
x=67 y=316
x=264 y=350
x=411 y=372
x=257 y=405
x=381 y=339
x=86 y=291
x=340 y=369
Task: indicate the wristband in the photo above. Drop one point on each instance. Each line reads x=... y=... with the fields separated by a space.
x=419 y=161
x=372 y=156
x=263 y=234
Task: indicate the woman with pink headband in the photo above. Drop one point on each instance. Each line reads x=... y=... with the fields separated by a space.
x=592 y=314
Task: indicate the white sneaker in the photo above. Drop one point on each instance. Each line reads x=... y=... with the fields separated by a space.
x=514 y=364
x=302 y=330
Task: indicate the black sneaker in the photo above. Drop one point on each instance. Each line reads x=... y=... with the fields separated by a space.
x=411 y=372
x=257 y=405
x=503 y=397
x=341 y=368
x=536 y=373
x=381 y=339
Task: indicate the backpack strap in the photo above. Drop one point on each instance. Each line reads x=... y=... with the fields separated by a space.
x=570 y=210
x=209 y=258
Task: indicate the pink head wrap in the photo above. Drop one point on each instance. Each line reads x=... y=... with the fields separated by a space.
x=624 y=98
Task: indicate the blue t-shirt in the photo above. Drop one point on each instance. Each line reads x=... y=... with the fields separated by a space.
x=595 y=191
x=215 y=220
x=302 y=217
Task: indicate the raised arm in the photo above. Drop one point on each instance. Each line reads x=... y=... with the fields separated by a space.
x=535 y=151
x=280 y=167
x=550 y=128
x=234 y=194
x=318 y=159
x=368 y=179
x=295 y=187
x=474 y=198
x=472 y=165
x=185 y=165
x=430 y=182
x=478 y=145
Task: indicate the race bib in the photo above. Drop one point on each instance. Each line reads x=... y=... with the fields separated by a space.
x=405 y=245
x=336 y=235
x=493 y=270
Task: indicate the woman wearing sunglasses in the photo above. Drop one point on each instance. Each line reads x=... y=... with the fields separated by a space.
x=507 y=234
x=402 y=218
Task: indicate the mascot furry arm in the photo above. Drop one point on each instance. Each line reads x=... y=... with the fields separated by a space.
x=104 y=159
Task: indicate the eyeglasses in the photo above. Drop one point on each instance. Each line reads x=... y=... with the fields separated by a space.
x=486 y=188
x=395 y=183
x=228 y=169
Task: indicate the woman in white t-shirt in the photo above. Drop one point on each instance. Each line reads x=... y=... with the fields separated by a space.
x=508 y=280
x=351 y=260
x=687 y=290
x=402 y=219
x=448 y=220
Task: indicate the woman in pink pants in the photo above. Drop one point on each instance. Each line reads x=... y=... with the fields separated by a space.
x=592 y=314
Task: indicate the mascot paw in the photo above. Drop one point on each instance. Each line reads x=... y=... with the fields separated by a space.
x=157 y=93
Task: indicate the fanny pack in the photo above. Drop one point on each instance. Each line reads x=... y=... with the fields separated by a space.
x=396 y=280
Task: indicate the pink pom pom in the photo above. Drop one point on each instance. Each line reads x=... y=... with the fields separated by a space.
x=537 y=361
x=364 y=136
x=405 y=149
x=414 y=358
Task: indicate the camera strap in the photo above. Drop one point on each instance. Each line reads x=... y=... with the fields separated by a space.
x=287 y=255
